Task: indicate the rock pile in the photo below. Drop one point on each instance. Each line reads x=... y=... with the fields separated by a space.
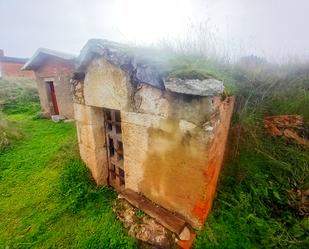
x=142 y=227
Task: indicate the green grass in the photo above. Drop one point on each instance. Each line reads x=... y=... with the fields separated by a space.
x=47 y=198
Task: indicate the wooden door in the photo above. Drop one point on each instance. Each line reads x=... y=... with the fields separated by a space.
x=53 y=97
x=116 y=176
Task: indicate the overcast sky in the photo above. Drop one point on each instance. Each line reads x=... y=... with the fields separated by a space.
x=262 y=27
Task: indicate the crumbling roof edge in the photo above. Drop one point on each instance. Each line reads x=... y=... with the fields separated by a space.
x=33 y=63
x=141 y=70
x=117 y=54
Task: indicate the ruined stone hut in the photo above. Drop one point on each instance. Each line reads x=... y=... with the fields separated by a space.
x=144 y=132
x=53 y=71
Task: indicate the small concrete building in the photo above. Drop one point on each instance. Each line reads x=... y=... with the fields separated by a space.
x=10 y=67
x=141 y=131
x=53 y=71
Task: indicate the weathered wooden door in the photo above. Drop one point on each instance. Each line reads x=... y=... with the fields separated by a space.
x=116 y=176
x=53 y=97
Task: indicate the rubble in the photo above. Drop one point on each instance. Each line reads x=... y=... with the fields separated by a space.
x=288 y=126
x=147 y=230
x=143 y=227
x=78 y=90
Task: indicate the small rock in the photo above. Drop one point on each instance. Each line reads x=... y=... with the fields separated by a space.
x=186 y=244
x=78 y=87
x=69 y=121
x=57 y=118
x=185 y=234
x=152 y=232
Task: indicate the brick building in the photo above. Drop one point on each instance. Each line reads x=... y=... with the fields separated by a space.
x=10 y=67
x=53 y=71
x=154 y=138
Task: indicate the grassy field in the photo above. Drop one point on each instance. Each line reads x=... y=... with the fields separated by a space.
x=47 y=199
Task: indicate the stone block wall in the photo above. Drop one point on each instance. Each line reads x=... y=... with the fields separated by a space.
x=107 y=86
x=173 y=143
x=91 y=139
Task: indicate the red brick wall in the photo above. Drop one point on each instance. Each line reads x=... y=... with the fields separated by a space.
x=216 y=156
x=11 y=69
x=55 y=67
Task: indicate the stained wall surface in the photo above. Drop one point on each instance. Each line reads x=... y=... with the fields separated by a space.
x=60 y=72
x=168 y=139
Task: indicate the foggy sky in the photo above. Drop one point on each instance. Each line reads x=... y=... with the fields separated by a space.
x=262 y=27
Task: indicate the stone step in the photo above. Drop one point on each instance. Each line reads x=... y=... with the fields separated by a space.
x=161 y=215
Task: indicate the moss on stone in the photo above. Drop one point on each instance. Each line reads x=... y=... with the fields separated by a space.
x=190 y=73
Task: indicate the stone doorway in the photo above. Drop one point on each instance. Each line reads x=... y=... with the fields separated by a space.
x=116 y=173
